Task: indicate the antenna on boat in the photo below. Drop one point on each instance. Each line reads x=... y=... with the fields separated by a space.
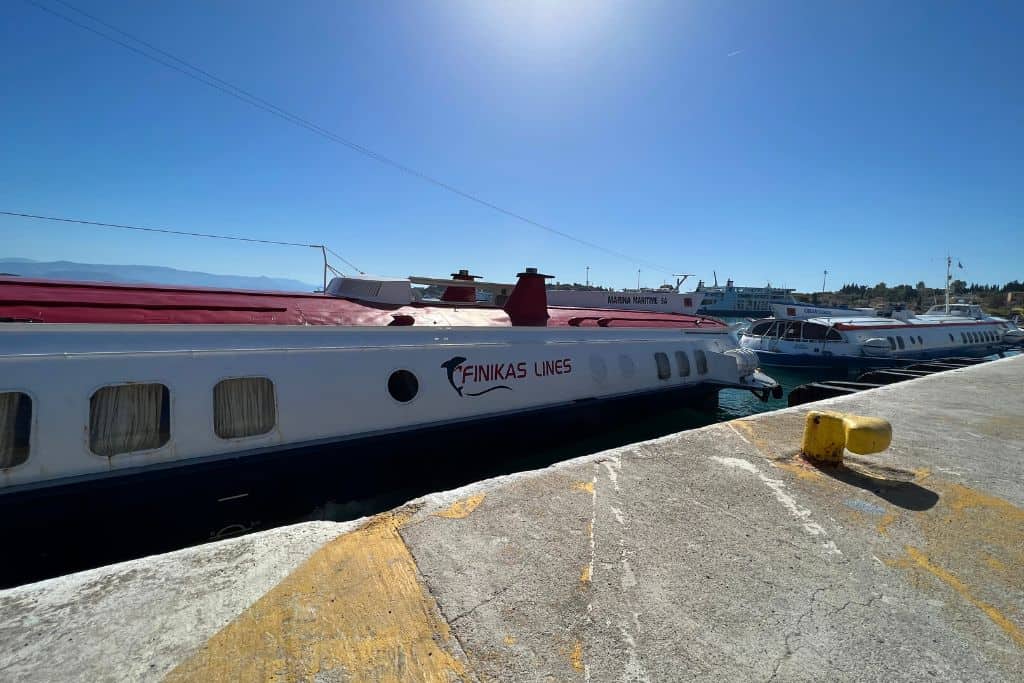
x=823 y=278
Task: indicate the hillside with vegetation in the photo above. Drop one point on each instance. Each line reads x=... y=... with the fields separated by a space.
x=993 y=298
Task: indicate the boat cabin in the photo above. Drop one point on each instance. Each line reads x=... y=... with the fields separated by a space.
x=794 y=330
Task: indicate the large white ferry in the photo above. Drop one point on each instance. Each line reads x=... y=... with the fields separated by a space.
x=664 y=299
x=746 y=302
x=857 y=340
x=103 y=424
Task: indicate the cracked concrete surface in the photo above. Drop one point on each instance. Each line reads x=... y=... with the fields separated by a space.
x=712 y=554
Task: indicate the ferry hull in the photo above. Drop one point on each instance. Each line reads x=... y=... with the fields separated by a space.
x=98 y=520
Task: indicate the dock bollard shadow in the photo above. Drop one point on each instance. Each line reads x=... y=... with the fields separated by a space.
x=899 y=492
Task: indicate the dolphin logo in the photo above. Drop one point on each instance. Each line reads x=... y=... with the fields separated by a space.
x=452 y=364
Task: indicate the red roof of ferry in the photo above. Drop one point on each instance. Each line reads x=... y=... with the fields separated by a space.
x=56 y=301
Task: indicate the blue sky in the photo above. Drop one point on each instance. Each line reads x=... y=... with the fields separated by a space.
x=764 y=141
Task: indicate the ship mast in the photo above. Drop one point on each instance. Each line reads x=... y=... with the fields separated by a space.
x=949 y=278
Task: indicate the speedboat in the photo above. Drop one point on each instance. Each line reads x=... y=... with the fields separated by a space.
x=857 y=340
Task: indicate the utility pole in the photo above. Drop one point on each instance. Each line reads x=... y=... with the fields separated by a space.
x=823 y=278
x=588 y=276
x=638 y=278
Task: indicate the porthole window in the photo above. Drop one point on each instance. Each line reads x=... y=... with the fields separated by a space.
x=664 y=369
x=126 y=418
x=702 y=361
x=683 y=362
x=15 y=428
x=243 y=406
x=403 y=386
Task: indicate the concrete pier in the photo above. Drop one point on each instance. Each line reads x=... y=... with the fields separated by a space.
x=714 y=554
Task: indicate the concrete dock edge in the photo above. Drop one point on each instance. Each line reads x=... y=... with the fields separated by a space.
x=714 y=553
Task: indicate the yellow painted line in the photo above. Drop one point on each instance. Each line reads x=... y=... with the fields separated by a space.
x=964 y=498
x=585 y=574
x=883 y=524
x=587 y=486
x=576 y=656
x=355 y=610
x=921 y=560
x=462 y=508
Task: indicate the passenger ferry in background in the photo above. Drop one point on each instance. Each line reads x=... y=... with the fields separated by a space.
x=105 y=424
x=741 y=302
x=852 y=340
x=664 y=299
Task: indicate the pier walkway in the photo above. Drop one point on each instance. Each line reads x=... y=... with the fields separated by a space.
x=713 y=554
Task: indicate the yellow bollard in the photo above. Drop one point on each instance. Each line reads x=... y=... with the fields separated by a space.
x=827 y=434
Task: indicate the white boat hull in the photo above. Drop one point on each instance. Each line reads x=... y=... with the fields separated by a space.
x=331 y=383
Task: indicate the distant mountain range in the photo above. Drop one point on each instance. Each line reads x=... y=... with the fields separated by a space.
x=158 y=275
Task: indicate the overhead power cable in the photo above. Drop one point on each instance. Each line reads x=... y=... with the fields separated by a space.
x=168 y=231
x=196 y=73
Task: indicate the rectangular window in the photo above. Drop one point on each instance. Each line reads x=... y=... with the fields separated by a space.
x=129 y=417
x=244 y=406
x=814 y=332
x=15 y=428
x=664 y=369
x=702 y=362
x=683 y=361
x=899 y=340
